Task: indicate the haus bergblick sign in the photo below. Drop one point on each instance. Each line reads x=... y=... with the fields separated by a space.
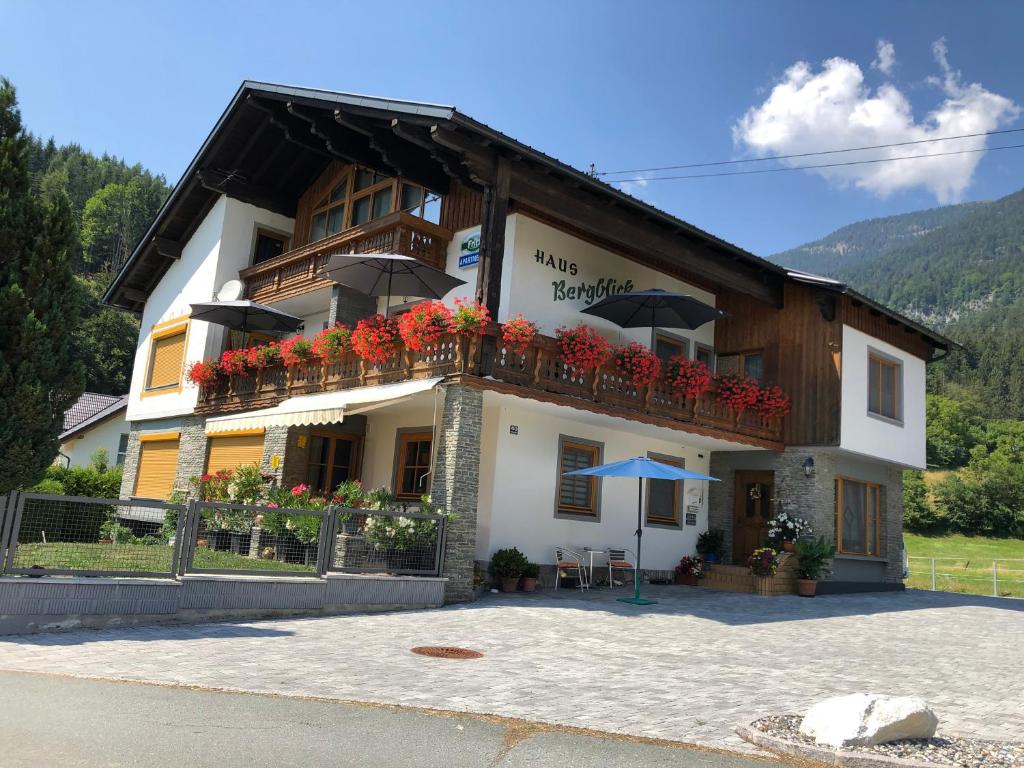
x=587 y=291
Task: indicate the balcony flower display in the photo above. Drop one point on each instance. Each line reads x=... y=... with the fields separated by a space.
x=638 y=363
x=688 y=378
x=264 y=355
x=737 y=393
x=203 y=373
x=296 y=350
x=235 y=362
x=424 y=324
x=583 y=348
x=376 y=339
x=331 y=343
x=517 y=333
x=469 y=318
x=772 y=402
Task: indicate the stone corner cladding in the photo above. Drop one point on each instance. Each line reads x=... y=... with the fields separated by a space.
x=456 y=484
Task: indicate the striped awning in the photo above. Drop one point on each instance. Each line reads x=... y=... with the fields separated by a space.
x=321 y=408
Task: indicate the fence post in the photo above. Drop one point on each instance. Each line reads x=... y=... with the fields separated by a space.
x=995 y=578
x=325 y=544
x=933 y=574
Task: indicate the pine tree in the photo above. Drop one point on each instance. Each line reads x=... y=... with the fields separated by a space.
x=39 y=311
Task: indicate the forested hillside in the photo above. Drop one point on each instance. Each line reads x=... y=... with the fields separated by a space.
x=112 y=203
x=853 y=244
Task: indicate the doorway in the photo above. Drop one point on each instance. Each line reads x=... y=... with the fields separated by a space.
x=753 y=510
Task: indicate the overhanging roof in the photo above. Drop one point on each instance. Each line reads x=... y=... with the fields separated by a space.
x=111 y=406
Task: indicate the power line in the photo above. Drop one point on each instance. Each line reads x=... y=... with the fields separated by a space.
x=807 y=154
x=820 y=165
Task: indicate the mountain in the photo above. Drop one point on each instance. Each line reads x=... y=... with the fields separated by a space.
x=959 y=269
x=856 y=243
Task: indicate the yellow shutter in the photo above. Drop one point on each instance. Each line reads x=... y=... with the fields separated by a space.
x=232 y=451
x=158 y=464
x=166 y=357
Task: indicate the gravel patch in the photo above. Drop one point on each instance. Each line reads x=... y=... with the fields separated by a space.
x=938 y=750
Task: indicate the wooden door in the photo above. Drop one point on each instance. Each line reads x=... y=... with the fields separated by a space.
x=754 y=493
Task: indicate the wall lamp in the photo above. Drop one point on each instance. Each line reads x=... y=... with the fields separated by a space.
x=808 y=466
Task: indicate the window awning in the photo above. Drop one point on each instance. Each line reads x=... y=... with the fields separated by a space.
x=321 y=408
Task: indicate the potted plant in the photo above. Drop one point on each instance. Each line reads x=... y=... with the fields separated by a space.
x=531 y=572
x=711 y=545
x=469 y=318
x=424 y=324
x=203 y=373
x=518 y=333
x=507 y=566
x=737 y=393
x=689 y=570
x=688 y=379
x=332 y=343
x=813 y=557
x=772 y=402
x=297 y=350
x=637 y=363
x=763 y=563
x=376 y=339
x=786 y=528
x=583 y=348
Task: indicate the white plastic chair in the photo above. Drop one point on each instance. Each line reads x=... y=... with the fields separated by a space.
x=622 y=560
x=571 y=562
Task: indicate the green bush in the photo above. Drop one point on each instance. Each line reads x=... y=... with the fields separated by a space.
x=711 y=542
x=81 y=481
x=531 y=571
x=919 y=514
x=508 y=563
x=813 y=557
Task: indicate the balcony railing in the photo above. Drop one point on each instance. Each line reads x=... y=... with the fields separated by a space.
x=538 y=373
x=297 y=271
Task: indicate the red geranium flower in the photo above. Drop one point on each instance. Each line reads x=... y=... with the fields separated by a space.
x=424 y=324
x=469 y=317
x=689 y=378
x=375 y=339
x=583 y=348
x=737 y=393
x=517 y=333
x=296 y=350
x=331 y=343
x=638 y=363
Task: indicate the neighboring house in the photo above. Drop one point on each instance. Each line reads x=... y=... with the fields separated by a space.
x=290 y=176
x=94 y=421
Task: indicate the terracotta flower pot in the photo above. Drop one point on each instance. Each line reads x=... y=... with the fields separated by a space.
x=788 y=546
x=686 y=579
x=806 y=587
x=509 y=584
x=528 y=584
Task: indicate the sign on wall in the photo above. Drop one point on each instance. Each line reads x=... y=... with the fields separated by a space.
x=469 y=251
x=587 y=291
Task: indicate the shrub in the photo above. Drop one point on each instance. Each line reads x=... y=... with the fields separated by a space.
x=508 y=563
x=531 y=571
x=919 y=514
x=711 y=542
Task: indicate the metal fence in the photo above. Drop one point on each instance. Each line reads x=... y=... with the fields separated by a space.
x=50 y=535
x=1002 y=577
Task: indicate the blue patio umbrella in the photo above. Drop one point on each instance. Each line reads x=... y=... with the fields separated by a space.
x=640 y=467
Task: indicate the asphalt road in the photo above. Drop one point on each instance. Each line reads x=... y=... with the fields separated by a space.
x=50 y=720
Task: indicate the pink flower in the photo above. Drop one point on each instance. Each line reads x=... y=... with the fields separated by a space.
x=300 y=489
x=273 y=505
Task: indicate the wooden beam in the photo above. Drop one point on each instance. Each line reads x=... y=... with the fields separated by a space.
x=588 y=213
x=449 y=162
x=166 y=247
x=293 y=131
x=261 y=197
x=492 y=237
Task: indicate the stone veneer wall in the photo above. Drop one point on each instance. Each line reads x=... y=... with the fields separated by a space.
x=813 y=498
x=348 y=306
x=456 y=484
x=192 y=447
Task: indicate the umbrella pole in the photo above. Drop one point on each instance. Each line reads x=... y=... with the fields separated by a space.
x=639 y=534
x=387 y=305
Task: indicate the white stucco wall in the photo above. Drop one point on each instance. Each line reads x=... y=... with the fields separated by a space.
x=868 y=435
x=106 y=434
x=219 y=248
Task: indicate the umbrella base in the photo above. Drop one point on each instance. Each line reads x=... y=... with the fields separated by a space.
x=637 y=600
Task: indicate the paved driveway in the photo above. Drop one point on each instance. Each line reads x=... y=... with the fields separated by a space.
x=689 y=668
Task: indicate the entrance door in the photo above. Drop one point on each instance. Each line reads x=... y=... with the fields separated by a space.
x=754 y=492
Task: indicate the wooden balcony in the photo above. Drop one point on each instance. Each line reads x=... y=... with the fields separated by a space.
x=538 y=374
x=296 y=272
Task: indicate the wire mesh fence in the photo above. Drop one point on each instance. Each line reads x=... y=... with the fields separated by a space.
x=74 y=535
x=398 y=542
x=251 y=539
x=1002 y=577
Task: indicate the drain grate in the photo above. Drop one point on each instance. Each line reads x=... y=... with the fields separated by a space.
x=446 y=652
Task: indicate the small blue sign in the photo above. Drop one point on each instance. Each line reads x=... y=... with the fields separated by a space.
x=469 y=259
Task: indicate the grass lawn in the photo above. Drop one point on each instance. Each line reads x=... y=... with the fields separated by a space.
x=135 y=557
x=966 y=564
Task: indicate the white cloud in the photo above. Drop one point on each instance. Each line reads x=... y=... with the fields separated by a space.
x=809 y=111
x=886 y=57
x=635 y=186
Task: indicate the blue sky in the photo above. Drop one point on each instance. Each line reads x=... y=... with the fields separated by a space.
x=622 y=85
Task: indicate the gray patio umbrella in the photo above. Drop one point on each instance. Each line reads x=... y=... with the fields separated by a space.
x=246 y=316
x=655 y=308
x=389 y=274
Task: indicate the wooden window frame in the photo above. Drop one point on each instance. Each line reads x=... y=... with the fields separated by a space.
x=670 y=338
x=357 y=453
x=262 y=231
x=698 y=347
x=571 y=512
x=315 y=210
x=166 y=329
x=741 y=357
x=677 y=495
x=896 y=365
x=840 y=493
x=402 y=437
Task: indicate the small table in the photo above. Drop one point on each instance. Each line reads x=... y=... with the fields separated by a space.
x=590 y=566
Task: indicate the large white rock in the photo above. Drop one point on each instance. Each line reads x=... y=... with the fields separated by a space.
x=864 y=719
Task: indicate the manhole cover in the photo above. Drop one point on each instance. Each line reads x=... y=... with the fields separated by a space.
x=446 y=652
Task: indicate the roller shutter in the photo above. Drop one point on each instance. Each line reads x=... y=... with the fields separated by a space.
x=231 y=451
x=167 y=356
x=158 y=464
